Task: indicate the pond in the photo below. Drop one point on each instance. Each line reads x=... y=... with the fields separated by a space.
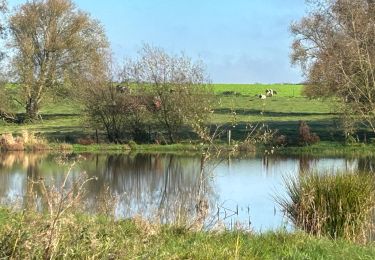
x=165 y=187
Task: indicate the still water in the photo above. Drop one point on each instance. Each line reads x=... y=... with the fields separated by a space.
x=164 y=187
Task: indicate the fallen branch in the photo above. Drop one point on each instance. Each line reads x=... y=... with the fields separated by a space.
x=7 y=117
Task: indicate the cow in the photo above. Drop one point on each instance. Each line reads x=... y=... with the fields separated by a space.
x=261 y=96
x=122 y=89
x=270 y=92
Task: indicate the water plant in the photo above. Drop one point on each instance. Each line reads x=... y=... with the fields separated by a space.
x=333 y=204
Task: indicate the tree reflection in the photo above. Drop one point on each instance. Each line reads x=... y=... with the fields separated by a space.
x=15 y=169
x=153 y=186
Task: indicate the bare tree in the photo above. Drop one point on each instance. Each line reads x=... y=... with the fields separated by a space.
x=55 y=46
x=180 y=87
x=335 y=46
x=122 y=116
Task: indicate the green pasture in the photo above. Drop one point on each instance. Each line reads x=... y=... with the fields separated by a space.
x=234 y=104
x=283 y=90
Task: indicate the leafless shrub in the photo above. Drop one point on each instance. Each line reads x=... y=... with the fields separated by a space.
x=179 y=86
x=305 y=137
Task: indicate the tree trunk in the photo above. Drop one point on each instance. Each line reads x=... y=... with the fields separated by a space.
x=32 y=109
x=371 y=8
x=171 y=136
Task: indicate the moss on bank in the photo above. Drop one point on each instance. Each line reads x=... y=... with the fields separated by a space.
x=25 y=236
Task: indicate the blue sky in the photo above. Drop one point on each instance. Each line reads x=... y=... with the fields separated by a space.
x=240 y=41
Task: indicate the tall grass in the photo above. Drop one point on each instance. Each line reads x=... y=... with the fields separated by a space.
x=27 y=141
x=338 y=205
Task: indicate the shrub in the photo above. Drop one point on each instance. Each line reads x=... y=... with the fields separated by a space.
x=305 y=137
x=122 y=116
x=230 y=93
x=132 y=145
x=338 y=205
x=281 y=140
x=85 y=141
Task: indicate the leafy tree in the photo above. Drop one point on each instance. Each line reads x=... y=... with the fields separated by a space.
x=55 y=46
x=335 y=46
x=179 y=86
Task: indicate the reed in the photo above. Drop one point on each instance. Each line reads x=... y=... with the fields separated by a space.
x=337 y=205
x=27 y=141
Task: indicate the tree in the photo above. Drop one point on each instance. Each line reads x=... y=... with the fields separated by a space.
x=55 y=46
x=4 y=101
x=123 y=116
x=335 y=47
x=179 y=86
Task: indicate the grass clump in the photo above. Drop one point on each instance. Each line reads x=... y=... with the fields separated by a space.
x=337 y=205
x=27 y=141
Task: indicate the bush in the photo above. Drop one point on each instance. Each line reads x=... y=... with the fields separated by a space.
x=85 y=141
x=305 y=137
x=230 y=93
x=281 y=140
x=122 y=116
x=338 y=205
x=179 y=86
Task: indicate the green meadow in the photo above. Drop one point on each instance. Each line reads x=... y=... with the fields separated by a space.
x=63 y=121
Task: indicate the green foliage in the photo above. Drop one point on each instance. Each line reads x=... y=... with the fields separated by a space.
x=56 y=48
x=338 y=205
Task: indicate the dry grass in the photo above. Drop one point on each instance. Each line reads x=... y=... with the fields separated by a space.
x=65 y=147
x=27 y=141
x=9 y=143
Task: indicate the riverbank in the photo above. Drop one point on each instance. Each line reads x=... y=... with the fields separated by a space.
x=322 y=149
x=330 y=149
x=25 y=235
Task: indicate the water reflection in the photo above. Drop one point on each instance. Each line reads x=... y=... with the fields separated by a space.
x=163 y=186
x=168 y=188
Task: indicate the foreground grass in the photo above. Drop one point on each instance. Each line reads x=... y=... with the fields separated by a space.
x=25 y=236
